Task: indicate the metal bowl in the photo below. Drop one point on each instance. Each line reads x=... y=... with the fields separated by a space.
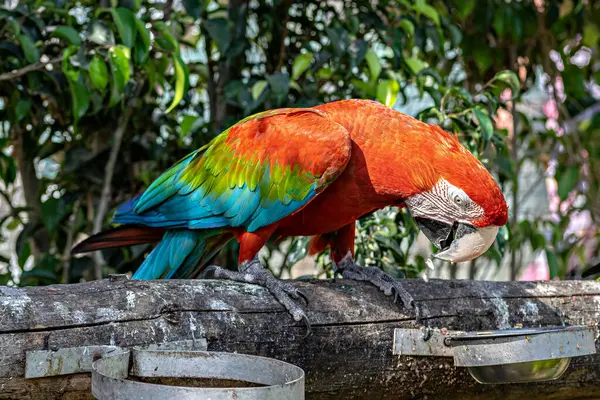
x=173 y=374
x=520 y=355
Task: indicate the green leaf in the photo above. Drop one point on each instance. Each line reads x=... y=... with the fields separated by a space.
x=455 y=35
x=425 y=9
x=591 y=35
x=120 y=65
x=151 y=74
x=258 y=88
x=326 y=73
x=68 y=69
x=68 y=34
x=552 y=263
x=294 y=85
x=464 y=8
x=142 y=45
x=22 y=108
x=187 y=124
x=115 y=93
x=80 y=99
x=482 y=56
x=181 y=79
x=301 y=63
x=280 y=85
x=414 y=64
x=387 y=92
x=98 y=72
x=374 y=64
x=13 y=224
x=24 y=254
x=407 y=26
x=5 y=278
x=567 y=181
x=125 y=21
x=167 y=41
x=53 y=211
x=218 y=30
x=194 y=7
x=499 y=23
x=574 y=82
x=509 y=78
x=368 y=89
x=32 y=53
x=485 y=123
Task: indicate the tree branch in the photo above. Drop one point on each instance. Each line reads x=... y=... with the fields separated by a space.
x=570 y=125
x=108 y=175
x=25 y=70
x=282 y=46
x=70 y=233
x=39 y=241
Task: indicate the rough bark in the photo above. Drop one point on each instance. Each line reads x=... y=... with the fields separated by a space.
x=348 y=355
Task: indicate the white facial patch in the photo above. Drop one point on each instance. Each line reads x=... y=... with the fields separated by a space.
x=445 y=203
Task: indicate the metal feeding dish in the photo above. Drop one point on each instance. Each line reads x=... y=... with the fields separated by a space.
x=172 y=370
x=502 y=356
x=160 y=374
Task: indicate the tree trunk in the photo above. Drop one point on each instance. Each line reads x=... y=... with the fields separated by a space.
x=347 y=355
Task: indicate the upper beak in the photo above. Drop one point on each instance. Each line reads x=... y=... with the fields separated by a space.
x=459 y=241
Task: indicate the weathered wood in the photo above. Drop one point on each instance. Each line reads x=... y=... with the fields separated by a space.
x=348 y=354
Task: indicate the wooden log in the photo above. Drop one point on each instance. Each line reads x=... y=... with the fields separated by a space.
x=348 y=354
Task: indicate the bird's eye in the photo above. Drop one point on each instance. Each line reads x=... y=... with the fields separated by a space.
x=458 y=197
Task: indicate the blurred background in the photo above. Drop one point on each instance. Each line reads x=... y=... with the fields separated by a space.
x=97 y=98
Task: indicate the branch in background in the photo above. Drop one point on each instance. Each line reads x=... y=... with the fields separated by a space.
x=67 y=252
x=39 y=241
x=25 y=70
x=167 y=10
x=108 y=175
x=226 y=69
x=284 y=34
x=514 y=153
x=571 y=124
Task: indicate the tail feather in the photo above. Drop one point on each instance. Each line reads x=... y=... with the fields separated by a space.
x=182 y=254
x=125 y=235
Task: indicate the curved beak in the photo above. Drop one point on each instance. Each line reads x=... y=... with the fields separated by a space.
x=459 y=241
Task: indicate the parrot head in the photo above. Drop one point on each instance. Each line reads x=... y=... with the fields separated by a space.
x=459 y=206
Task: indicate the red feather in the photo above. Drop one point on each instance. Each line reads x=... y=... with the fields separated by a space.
x=125 y=235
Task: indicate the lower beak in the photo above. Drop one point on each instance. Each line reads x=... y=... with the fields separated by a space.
x=458 y=242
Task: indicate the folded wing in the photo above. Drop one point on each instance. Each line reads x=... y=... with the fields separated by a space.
x=259 y=171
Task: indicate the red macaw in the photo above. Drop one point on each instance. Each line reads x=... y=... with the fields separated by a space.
x=309 y=172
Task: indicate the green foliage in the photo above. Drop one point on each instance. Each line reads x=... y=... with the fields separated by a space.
x=174 y=74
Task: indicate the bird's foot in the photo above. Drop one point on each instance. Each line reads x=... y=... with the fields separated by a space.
x=388 y=285
x=254 y=272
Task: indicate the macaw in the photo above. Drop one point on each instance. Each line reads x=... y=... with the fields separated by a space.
x=309 y=172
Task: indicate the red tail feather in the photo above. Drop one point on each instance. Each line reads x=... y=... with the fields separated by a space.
x=125 y=235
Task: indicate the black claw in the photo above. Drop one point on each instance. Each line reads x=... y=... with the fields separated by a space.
x=307 y=323
x=302 y=296
x=396 y=294
x=337 y=272
x=208 y=270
